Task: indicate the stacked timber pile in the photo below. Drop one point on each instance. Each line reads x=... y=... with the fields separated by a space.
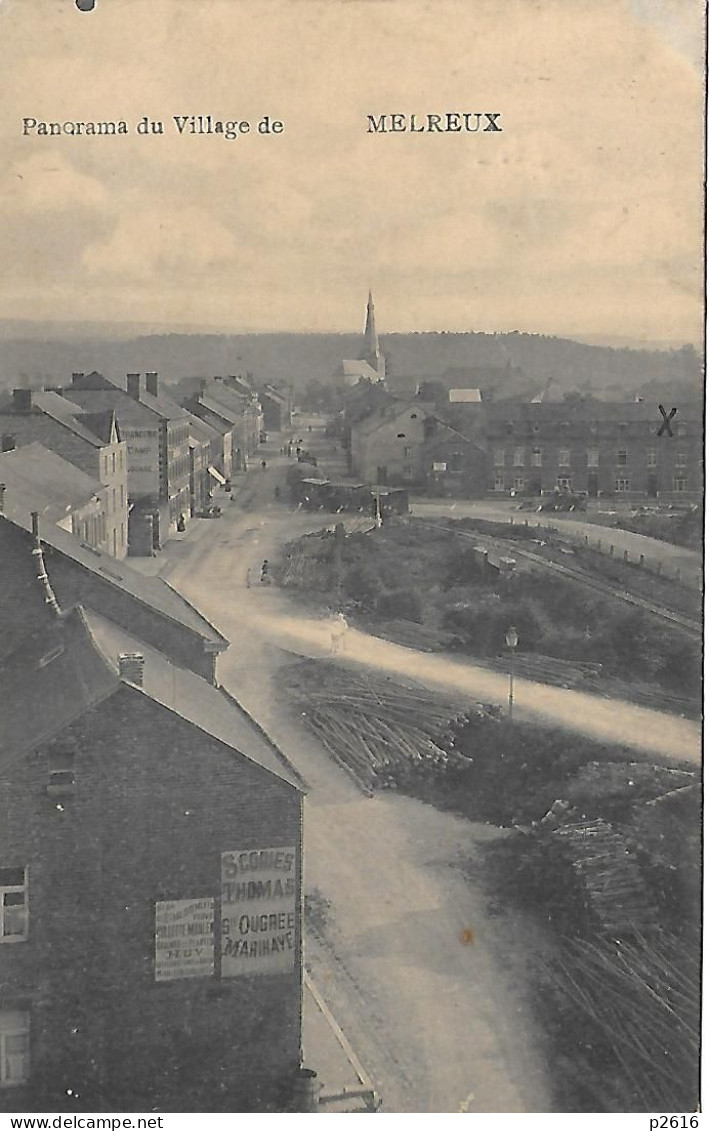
x=373 y=725
x=612 y=885
x=641 y=999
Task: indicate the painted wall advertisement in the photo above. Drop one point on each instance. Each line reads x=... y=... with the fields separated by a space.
x=259 y=913
x=184 y=939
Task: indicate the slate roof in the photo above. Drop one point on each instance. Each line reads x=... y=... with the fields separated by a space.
x=201 y=431
x=72 y=666
x=94 y=427
x=51 y=679
x=37 y=479
x=232 y=414
x=151 y=591
x=128 y=411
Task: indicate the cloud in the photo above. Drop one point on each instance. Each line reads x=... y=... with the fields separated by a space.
x=174 y=247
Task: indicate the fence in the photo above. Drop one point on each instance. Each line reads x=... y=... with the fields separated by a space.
x=690 y=576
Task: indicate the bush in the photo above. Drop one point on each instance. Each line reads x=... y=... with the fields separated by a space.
x=401 y=604
x=362 y=585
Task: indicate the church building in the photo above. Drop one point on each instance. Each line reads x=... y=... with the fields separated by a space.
x=371 y=363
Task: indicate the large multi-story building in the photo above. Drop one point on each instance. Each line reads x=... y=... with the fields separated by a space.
x=90 y=442
x=156 y=431
x=150 y=885
x=597 y=447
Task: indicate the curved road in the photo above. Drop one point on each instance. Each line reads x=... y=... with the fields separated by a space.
x=431 y=988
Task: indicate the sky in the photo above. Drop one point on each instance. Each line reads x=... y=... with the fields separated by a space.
x=583 y=217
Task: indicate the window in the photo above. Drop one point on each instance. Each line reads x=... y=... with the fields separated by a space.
x=622 y=458
x=622 y=484
x=564 y=482
x=536 y=457
x=456 y=461
x=519 y=457
x=680 y=459
x=407 y=453
x=414 y=416
x=651 y=457
x=679 y=483
x=518 y=483
x=499 y=482
x=622 y=427
x=564 y=457
x=14 y=1047
x=122 y=495
x=113 y=462
x=592 y=457
x=510 y=427
x=408 y=471
x=123 y=535
x=13 y=904
x=499 y=457
x=60 y=762
x=401 y=435
x=113 y=508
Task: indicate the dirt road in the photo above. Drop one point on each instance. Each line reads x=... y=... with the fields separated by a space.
x=429 y=986
x=672 y=557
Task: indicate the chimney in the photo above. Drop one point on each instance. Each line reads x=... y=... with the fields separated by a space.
x=130 y=667
x=151 y=384
x=22 y=400
x=76 y=378
x=8 y=442
x=133 y=385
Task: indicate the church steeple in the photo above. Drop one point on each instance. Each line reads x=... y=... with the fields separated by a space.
x=370 y=348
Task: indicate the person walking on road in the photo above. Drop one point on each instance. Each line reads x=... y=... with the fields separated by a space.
x=338 y=631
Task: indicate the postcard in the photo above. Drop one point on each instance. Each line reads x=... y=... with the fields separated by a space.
x=351 y=518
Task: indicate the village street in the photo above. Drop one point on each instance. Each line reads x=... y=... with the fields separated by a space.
x=430 y=985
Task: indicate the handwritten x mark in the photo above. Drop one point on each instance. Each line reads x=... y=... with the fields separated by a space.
x=666 y=420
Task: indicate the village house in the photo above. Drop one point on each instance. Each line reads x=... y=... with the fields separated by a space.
x=387 y=445
x=89 y=441
x=276 y=408
x=454 y=464
x=145 y=606
x=150 y=885
x=237 y=395
x=69 y=498
x=205 y=451
x=235 y=414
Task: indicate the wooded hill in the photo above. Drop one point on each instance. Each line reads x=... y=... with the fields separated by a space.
x=300 y=357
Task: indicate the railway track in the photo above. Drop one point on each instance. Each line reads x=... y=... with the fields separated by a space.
x=580 y=576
